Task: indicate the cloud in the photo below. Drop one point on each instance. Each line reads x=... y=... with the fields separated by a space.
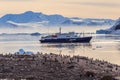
x=104 y=4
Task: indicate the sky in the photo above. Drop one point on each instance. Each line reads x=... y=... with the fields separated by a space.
x=69 y=8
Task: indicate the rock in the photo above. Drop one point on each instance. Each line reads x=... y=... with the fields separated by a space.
x=108 y=77
x=35 y=67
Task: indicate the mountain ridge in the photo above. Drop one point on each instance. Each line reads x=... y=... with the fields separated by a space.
x=50 y=20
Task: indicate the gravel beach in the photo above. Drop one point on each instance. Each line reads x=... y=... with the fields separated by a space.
x=55 y=67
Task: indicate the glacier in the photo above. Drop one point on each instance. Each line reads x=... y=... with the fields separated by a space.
x=115 y=29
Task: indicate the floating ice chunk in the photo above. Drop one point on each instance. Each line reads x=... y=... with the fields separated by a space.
x=21 y=51
x=28 y=52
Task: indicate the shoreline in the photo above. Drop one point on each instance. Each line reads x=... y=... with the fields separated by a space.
x=55 y=67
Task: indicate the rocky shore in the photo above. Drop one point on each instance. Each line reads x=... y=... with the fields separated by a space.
x=55 y=67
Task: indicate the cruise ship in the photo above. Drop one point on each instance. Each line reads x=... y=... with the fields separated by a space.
x=70 y=37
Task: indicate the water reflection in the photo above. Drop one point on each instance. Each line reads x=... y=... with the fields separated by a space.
x=67 y=45
x=65 y=48
x=118 y=46
x=108 y=37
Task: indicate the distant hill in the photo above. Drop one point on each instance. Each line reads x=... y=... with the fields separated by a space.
x=23 y=19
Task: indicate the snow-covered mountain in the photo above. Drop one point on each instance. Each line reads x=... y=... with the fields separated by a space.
x=92 y=22
x=38 y=19
x=115 y=29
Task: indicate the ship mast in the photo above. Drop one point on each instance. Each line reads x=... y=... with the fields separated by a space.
x=60 y=30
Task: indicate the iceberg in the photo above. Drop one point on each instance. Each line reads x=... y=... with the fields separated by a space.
x=21 y=51
x=103 y=31
x=115 y=29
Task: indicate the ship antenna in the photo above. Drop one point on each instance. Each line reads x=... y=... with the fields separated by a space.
x=83 y=34
x=48 y=30
x=60 y=30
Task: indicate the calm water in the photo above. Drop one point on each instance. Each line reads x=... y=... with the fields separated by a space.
x=103 y=47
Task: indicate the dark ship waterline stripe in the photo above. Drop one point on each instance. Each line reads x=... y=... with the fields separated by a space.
x=69 y=40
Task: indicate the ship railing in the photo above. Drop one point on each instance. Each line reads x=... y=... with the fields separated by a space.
x=84 y=34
